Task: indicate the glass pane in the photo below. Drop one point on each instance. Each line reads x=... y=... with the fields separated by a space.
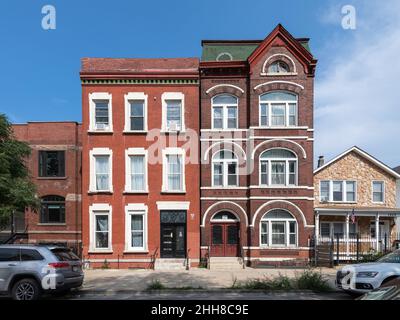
x=278 y=214
x=218 y=174
x=217 y=115
x=173 y=114
x=264 y=114
x=137 y=108
x=292 y=239
x=278 y=154
x=137 y=123
x=324 y=191
x=101 y=222
x=224 y=99
x=338 y=229
x=378 y=197
x=101 y=112
x=278 y=173
x=224 y=216
x=278 y=115
x=137 y=239
x=224 y=154
x=337 y=191
x=325 y=229
x=218 y=124
x=102 y=164
x=378 y=186
x=232 y=235
x=278 y=96
x=232 y=117
x=217 y=235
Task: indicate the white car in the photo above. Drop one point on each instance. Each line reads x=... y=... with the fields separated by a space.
x=365 y=277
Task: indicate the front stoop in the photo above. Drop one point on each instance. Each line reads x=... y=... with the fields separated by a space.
x=226 y=263
x=170 y=264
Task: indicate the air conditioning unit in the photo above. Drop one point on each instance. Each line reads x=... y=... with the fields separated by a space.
x=101 y=126
x=174 y=127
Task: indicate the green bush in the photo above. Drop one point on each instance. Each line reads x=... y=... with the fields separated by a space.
x=371 y=257
x=312 y=280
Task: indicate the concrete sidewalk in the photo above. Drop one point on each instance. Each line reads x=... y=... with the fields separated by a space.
x=138 y=280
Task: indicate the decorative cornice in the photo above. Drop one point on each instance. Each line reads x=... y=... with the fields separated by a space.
x=139 y=81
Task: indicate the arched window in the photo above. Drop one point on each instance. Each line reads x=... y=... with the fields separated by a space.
x=224 y=112
x=278 y=109
x=278 y=67
x=52 y=209
x=224 y=216
x=278 y=167
x=278 y=228
x=225 y=167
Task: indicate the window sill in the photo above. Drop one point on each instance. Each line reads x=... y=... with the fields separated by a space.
x=339 y=202
x=135 y=132
x=263 y=247
x=100 y=251
x=52 y=178
x=163 y=131
x=100 y=192
x=136 y=251
x=173 y=192
x=136 y=192
x=100 y=131
x=278 y=74
x=51 y=224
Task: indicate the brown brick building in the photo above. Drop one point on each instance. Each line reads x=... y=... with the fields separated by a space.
x=55 y=167
x=140 y=174
x=256 y=101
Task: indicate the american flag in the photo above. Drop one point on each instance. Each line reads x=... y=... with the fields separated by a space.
x=353 y=217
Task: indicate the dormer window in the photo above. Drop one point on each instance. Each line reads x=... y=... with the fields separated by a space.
x=278 y=67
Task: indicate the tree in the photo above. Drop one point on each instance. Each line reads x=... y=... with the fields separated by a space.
x=17 y=191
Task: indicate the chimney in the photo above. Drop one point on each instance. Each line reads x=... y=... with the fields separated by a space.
x=321 y=161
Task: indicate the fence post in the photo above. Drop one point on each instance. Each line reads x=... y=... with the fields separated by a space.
x=337 y=249
x=386 y=238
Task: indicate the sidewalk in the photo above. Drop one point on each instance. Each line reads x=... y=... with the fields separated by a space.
x=138 y=280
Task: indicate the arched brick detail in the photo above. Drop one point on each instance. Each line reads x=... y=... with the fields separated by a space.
x=278 y=86
x=233 y=207
x=279 y=57
x=296 y=147
x=278 y=204
x=228 y=89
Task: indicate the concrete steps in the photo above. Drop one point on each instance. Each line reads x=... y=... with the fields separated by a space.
x=170 y=264
x=226 y=263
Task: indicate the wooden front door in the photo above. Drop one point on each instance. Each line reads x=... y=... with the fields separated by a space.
x=225 y=239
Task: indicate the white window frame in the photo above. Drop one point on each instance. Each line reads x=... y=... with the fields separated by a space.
x=93 y=97
x=344 y=191
x=128 y=169
x=172 y=96
x=132 y=96
x=286 y=160
x=269 y=107
x=136 y=209
x=225 y=163
x=287 y=233
x=383 y=191
x=92 y=155
x=224 y=108
x=177 y=152
x=100 y=209
x=331 y=228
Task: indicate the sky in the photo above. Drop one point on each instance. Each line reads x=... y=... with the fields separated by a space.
x=356 y=86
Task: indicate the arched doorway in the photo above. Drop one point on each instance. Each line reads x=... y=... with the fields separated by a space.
x=225 y=235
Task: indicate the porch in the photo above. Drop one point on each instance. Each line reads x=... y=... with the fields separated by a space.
x=348 y=236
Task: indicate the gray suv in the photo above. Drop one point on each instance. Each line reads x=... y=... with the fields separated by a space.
x=28 y=271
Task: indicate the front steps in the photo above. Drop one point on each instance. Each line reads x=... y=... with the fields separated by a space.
x=226 y=263
x=170 y=264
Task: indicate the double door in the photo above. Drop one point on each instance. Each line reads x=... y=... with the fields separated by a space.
x=225 y=239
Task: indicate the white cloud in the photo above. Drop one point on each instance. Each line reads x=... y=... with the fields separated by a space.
x=357 y=97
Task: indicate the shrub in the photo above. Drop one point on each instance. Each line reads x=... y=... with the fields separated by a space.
x=312 y=280
x=105 y=265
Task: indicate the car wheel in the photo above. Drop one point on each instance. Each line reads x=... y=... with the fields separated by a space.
x=25 y=289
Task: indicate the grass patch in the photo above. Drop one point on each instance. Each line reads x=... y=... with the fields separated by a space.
x=307 y=280
x=156 y=285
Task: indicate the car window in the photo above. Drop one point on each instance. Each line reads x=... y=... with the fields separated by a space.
x=65 y=255
x=30 y=255
x=393 y=257
x=9 y=254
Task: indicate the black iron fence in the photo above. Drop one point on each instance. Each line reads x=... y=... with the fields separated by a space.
x=355 y=247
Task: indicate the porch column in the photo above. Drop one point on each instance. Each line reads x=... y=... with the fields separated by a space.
x=316 y=227
x=377 y=232
x=347 y=235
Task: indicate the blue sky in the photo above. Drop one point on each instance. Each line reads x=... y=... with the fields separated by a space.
x=40 y=69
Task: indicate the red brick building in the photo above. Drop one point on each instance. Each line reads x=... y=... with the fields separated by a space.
x=55 y=167
x=256 y=102
x=140 y=174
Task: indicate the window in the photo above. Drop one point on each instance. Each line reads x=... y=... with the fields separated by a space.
x=135 y=112
x=137 y=115
x=100 y=170
x=30 y=255
x=278 y=167
x=225 y=167
x=100 y=227
x=51 y=163
x=378 y=188
x=100 y=112
x=338 y=191
x=173 y=112
x=278 y=109
x=136 y=170
x=52 y=209
x=10 y=254
x=173 y=168
x=224 y=216
x=136 y=227
x=278 y=67
x=278 y=228
x=224 y=112
x=335 y=229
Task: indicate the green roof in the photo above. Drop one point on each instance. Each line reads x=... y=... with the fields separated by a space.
x=239 y=51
